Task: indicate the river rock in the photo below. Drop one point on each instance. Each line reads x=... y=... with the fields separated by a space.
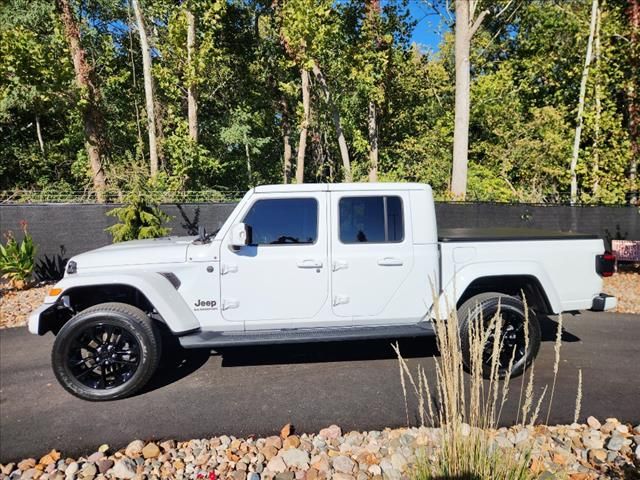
x=294 y=457
x=330 y=433
x=134 y=449
x=151 y=450
x=277 y=465
x=343 y=464
x=594 y=423
x=123 y=468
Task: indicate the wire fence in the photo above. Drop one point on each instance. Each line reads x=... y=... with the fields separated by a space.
x=226 y=196
x=89 y=197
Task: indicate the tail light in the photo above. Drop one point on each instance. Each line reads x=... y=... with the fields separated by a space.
x=606 y=264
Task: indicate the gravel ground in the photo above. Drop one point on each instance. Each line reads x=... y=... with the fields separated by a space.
x=578 y=452
x=15 y=306
x=626 y=286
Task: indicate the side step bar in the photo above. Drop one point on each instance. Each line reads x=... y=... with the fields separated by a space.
x=211 y=339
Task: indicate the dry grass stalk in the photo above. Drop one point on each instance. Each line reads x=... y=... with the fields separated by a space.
x=534 y=417
x=472 y=453
x=556 y=363
x=464 y=452
x=576 y=413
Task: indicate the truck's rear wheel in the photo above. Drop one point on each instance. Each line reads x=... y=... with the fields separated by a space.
x=512 y=311
x=106 y=352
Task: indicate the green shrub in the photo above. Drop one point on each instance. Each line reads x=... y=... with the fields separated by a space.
x=140 y=217
x=17 y=259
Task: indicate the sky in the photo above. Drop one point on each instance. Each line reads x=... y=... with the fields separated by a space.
x=430 y=26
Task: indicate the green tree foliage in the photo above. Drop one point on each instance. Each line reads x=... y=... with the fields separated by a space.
x=526 y=67
x=139 y=217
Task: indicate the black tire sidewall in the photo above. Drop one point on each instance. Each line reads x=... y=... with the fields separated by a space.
x=136 y=323
x=488 y=305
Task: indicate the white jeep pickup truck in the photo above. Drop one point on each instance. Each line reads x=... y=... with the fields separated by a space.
x=306 y=263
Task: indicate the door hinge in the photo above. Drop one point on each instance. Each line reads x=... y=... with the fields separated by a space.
x=340 y=300
x=339 y=265
x=228 y=304
x=227 y=268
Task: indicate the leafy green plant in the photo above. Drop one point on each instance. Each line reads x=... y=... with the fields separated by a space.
x=17 y=259
x=140 y=217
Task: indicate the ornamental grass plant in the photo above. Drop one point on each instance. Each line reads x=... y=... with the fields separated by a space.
x=467 y=408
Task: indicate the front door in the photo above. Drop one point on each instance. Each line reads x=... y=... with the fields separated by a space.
x=282 y=278
x=372 y=256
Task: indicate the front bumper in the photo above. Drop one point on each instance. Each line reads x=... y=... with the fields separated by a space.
x=604 y=302
x=40 y=319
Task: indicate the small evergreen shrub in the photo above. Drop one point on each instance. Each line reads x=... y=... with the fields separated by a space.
x=140 y=217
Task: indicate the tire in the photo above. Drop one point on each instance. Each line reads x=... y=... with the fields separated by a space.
x=512 y=310
x=106 y=352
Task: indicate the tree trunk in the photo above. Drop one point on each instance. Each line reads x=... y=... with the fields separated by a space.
x=463 y=86
x=464 y=32
x=373 y=10
x=247 y=152
x=192 y=93
x=337 y=123
x=579 y=115
x=373 y=142
x=633 y=102
x=598 y=99
x=148 y=88
x=286 y=133
x=134 y=76
x=306 y=105
x=39 y=135
x=95 y=141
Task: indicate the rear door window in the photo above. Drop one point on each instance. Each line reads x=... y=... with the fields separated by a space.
x=374 y=219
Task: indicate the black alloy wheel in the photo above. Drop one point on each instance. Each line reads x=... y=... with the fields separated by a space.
x=512 y=335
x=106 y=352
x=103 y=356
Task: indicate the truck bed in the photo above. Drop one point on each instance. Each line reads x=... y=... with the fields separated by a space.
x=507 y=234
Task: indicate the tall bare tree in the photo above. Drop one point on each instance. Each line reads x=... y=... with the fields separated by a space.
x=286 y=134
x=466 y=27
x=580 y=113
x=633 y=97
x=373 y=11
x=192 y=92
x=304 y=125
x=148 y=88
x=337 y=122
x=93 y=121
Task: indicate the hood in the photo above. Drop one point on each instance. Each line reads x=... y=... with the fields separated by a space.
x=136 y=252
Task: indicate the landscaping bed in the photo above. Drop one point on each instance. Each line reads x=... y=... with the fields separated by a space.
x=16 y=305
x=580 y=451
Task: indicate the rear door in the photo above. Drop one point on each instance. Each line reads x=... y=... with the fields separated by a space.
x=371 y=252
x=282 y=278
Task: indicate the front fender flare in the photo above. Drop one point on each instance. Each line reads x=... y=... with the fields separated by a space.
x=156 y=288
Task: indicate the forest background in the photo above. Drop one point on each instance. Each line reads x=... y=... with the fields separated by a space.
x=201 y=99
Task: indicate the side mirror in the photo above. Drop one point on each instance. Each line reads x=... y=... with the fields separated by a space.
x=240 y=235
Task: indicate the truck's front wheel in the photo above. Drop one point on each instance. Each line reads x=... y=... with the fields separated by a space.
x=106 y=352
x=519 y=333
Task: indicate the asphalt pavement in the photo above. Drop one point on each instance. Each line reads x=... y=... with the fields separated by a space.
x=256 y=390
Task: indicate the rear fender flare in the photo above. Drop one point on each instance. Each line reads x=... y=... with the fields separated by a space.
x=467 y=274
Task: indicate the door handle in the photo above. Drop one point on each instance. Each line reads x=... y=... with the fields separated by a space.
x=339 y=265
x=309 y=263
x=390 y=262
